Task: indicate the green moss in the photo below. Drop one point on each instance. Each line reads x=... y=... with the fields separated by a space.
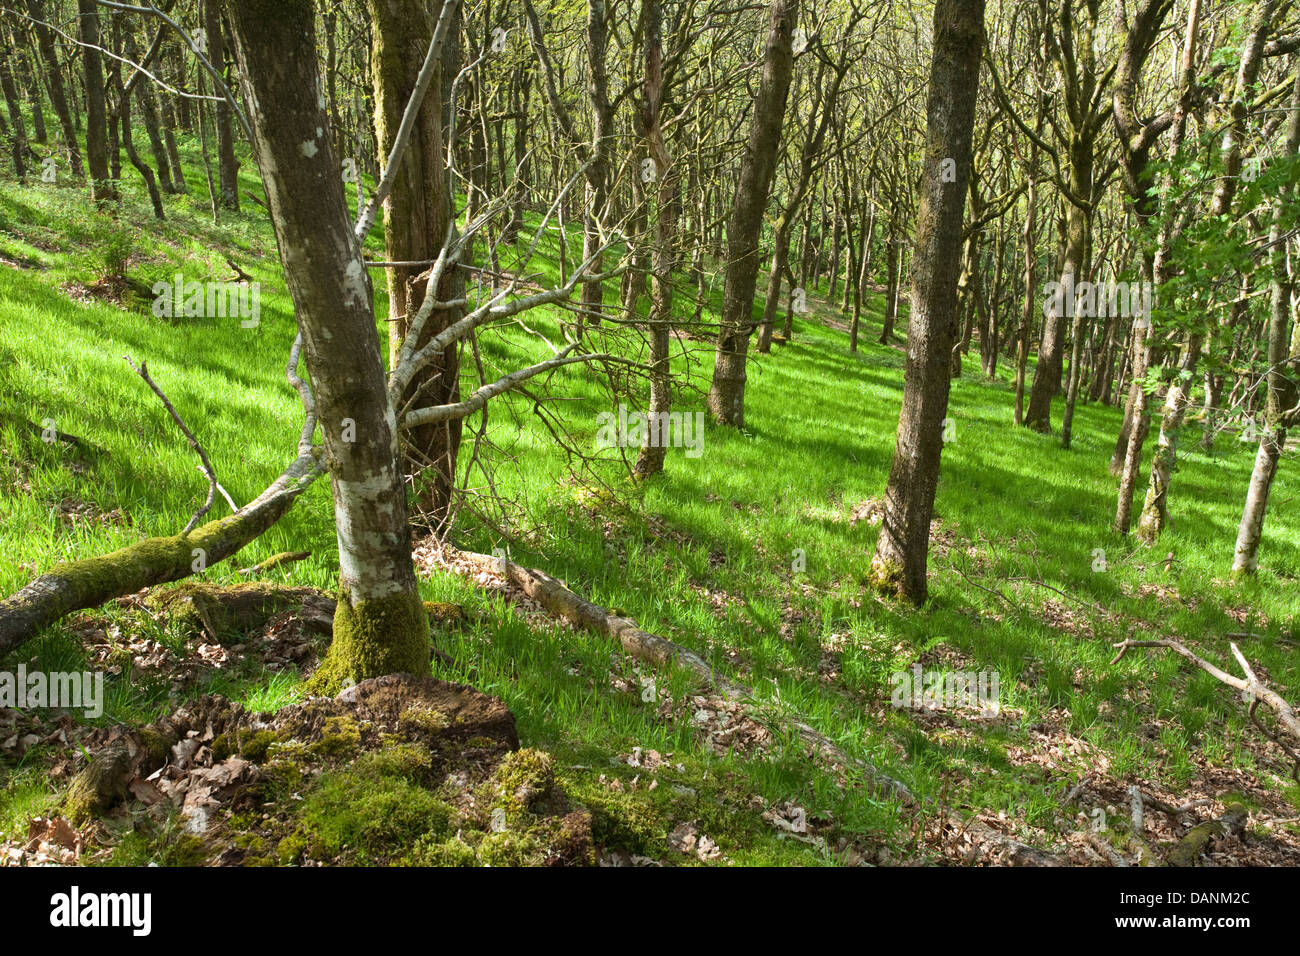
x=885 y=576
x=249 y=744
x=99 y=786
x=340 y=736
x=523 y=779
x=166 y=847
x=431 y=851
x=406 y=761
x=292 y=848
x=444 y=613
x=368 y=813
x=621 y=820
x=424 y=718
x=156 y=745
x=388 y=635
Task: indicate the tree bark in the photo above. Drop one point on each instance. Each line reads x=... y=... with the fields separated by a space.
x=227 y=163
x=1280 y=389
x=380 y=626
x=726 y=400
x=54 y=83
x=650 y=460
x=417 y=213
x=102 y=188
x=899 y=564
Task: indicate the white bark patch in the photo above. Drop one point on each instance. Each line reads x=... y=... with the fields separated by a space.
x=365 y=553
x=355 y=281
x=309 y=148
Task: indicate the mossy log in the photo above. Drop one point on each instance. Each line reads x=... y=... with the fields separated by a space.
x=89 y=582
x=1188 y=850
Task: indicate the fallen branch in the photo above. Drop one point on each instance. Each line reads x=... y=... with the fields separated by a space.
x=1188 y=850
x=89 y=582
x=1250 y=686
x=559 y=600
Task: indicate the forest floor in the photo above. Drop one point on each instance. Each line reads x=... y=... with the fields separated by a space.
x=752 y=555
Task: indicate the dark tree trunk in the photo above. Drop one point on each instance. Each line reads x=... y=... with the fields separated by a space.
x=899 y=564
x=54 y=82
x=227 y=164
x=101 y=185
x=416 y=216
x=754 y=186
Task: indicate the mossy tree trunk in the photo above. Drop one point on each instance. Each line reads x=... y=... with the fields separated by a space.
x=380 y=626
x=417 y=213
x=899 y=564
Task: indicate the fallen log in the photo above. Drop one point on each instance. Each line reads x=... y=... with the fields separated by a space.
x=89 y=582
x=1188 y=850
x=651 y=648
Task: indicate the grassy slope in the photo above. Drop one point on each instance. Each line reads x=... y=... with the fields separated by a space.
x=715 y=574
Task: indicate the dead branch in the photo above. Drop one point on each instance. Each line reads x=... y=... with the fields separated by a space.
x=564 y=603
x=1254 y=690
x=143 y=371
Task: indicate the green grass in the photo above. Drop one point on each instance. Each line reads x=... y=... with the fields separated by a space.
x=702 y=554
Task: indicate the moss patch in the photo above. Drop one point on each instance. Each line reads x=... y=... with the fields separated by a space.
x=385 y=636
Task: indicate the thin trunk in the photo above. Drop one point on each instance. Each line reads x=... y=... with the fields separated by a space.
x=380 y=626
x=753 y=187
x=899 y=564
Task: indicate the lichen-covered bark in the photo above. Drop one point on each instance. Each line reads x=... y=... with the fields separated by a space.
x=332 y=298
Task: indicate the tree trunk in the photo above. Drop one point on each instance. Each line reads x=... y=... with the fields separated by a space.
x=726 y=400
x=891 y=287
x=592 y=304
x=101 y=185
x=54 y=82
x=650 y=460
x=1280 y=390
x=899 y=564
x=227 y=164
x=417 y=214
x=380 y=626
x=19 y=140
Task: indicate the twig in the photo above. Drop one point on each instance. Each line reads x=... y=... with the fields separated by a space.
x=225 y=494
x=143 y=371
